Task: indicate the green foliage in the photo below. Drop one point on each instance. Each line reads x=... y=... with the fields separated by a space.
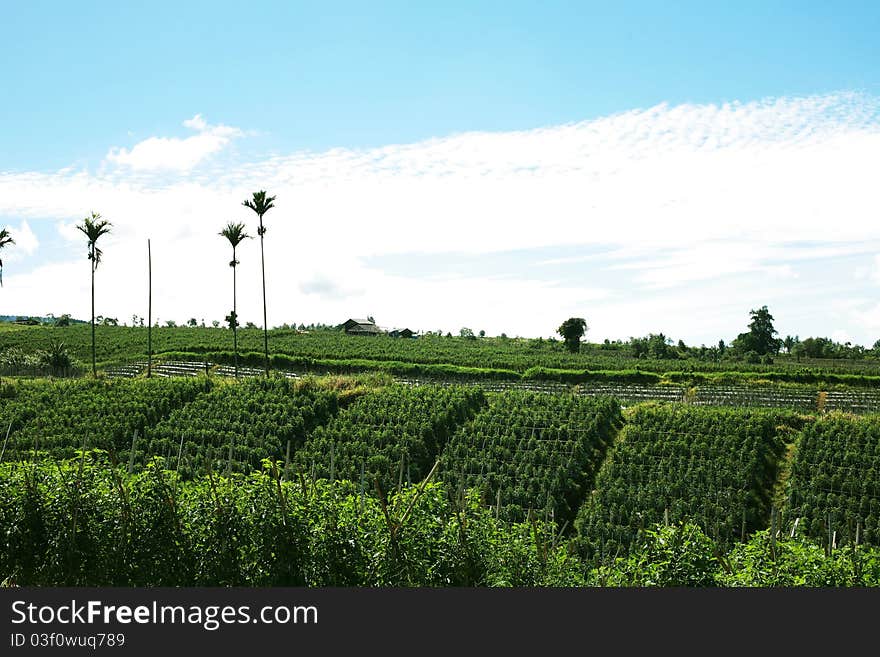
x=836 y=479
x=676 y=555
x=55 y=418
x=529 y=450
x=797 y=562
x=572 y=330
x=760 y=337
x=394 y=434
x=84 y=523
x=715 y=467
x=510 y=356
x=237 y=425
x=55 y=360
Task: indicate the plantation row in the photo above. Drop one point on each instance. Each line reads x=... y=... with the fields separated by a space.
x=715 y=466
x=557 y=457
x=801 y=398
x=532 y=451
x=120 y=344
x=86 y=523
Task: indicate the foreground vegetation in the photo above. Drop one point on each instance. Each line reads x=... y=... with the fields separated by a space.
x=86 y=523
x=226 y=482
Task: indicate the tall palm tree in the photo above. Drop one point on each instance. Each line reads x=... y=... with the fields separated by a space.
x=5 y=239
x=93 y=227
x=236 y=234
x=261 y=204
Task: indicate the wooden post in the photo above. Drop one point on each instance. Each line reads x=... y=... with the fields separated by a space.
x=361 y=495
x=855 y=553
x=179 y=452
x=287 y=459
x=794 y=526
x=773 y=533
x=131 y=453
x=829 y=533
x=6 y=440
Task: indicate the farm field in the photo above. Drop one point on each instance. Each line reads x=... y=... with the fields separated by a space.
x=675 y=462
x=581 y=477
x=119 y=345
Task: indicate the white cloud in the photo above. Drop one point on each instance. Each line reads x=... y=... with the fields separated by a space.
x=26 y=243
x=682 y=201
x=158 y=153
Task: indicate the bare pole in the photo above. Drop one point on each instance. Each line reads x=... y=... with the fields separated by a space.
x=149 y=311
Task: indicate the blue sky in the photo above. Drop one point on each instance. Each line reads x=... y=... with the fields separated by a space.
x=498 y=165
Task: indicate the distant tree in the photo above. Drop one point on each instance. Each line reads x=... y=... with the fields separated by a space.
x=64 y=320
x=261 y=204
x=465 y=332
x=760 y=337
x=170 y=323
x=572 y=330
x=215 y=323
x=192 y=322
x=5 y=239
x=93 y=227
x=482 y=334
x=250 y=325
x=655 y=345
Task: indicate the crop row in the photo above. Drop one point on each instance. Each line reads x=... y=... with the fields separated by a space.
x=519 y=450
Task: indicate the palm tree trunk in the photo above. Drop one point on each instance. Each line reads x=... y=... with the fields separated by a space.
x=265 y=325
x=94 y=367
x=234 y=315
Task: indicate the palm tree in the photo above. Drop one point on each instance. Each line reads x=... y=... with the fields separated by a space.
x=236 y=235
x=4 y=240
x=93 y=227
x=261 y=204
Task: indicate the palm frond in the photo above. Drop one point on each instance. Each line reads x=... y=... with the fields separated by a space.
x=261 y=203
x=93 y=228
x=235 y=233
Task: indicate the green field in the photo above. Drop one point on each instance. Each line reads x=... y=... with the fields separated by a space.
x=514 y=356
x=432 y=480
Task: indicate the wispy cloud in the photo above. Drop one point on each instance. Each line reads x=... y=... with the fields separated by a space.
x=26 y=243
x=164 y=153
x=693 y=205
